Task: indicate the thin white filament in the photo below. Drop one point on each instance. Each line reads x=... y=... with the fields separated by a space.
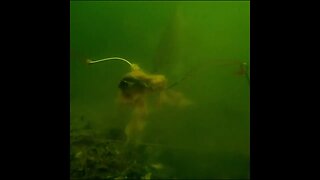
x=108 y=59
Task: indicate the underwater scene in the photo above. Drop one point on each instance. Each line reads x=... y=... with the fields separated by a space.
x=159 y=90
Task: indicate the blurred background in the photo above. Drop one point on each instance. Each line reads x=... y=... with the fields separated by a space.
x=207 y=44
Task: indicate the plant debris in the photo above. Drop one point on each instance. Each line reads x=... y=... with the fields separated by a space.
x=94 y=156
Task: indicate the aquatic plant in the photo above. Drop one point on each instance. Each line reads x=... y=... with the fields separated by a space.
x=103 y=158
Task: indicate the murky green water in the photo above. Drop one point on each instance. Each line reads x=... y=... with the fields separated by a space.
x=204 y=42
